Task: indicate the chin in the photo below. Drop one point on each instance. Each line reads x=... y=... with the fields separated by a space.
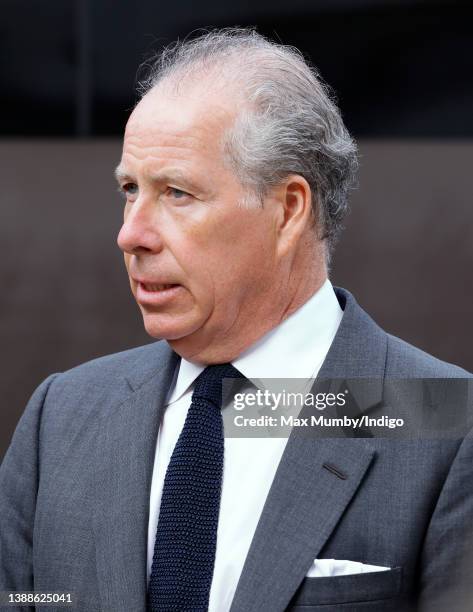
x=186 y=341
x=162 y=328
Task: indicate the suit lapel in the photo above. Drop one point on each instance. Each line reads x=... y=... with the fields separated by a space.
x=126 y=447
x=307 y=498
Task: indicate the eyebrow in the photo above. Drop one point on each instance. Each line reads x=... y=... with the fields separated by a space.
x=120 y=174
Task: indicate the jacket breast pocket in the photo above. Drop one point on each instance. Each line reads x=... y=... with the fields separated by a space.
x=351 y=588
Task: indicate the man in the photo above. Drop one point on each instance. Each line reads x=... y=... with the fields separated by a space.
x=119 y=487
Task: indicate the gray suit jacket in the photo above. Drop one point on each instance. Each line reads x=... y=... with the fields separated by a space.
x=75 y=483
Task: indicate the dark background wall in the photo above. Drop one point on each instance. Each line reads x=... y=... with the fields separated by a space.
x=402 y=74
x=399 y=67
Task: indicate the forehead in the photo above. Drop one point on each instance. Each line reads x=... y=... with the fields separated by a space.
x=169 y=125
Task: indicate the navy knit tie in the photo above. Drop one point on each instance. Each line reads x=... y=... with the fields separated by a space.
x=186 y=536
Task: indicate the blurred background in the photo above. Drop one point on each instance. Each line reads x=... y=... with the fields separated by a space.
x=402 y=72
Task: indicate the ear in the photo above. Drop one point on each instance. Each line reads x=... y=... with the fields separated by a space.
x=295 y=214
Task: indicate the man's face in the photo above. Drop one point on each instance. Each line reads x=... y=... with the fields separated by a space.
x=202 y=268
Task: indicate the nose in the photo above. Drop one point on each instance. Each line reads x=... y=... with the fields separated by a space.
x=139 y=232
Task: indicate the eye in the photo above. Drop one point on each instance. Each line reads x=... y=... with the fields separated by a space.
x=178 y=194
x=129 y=189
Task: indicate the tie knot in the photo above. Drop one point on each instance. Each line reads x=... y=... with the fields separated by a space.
x=208 y=384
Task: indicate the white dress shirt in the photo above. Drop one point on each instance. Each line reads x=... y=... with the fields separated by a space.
x=294 y=349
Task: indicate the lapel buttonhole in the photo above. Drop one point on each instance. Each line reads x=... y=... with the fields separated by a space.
x=332 y=469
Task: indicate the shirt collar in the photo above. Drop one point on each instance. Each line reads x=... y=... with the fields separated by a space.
x=294 y=349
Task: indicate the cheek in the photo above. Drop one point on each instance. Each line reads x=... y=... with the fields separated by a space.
x=241 y=264
x=221 y=254
x=193 y=243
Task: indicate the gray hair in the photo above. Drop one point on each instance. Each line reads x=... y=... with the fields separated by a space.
x=290 y=123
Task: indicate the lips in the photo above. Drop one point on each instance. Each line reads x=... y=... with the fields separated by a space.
x=157 y=286
x=155 y=294
x=160 y=283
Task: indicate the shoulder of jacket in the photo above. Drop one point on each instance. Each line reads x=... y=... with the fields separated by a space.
x=111 y=372
x=404 y=359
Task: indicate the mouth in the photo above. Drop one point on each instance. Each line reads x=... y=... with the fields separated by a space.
x=157 y=294
x=153 y=287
